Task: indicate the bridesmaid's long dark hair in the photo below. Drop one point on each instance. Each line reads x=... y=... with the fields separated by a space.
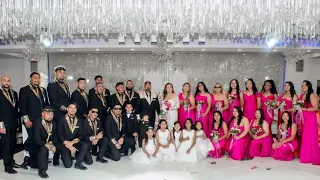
x=310 y=91
x=273 y=89
x=292 y=91
x=165 y=90
x=173 y=130
x=262 y=117
x=237 y=87
x=254 y=86
x=289 y=121
x=221 y=119
x=239 y=117
x=204 y=88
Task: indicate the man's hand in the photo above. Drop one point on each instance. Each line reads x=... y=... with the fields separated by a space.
x=28 y=124
x=73 y=150
x=53 y=149
x=120 y=141
x=48 y=146
x=2 y=130
x=95 y=141
x=99 y=136
x=118 y=146
x=68 y=144
x=75 y=141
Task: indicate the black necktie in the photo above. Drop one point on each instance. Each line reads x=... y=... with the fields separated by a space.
x=92 y=124
x=71 y=120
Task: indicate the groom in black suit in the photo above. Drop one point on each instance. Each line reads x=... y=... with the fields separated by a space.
x=81 y=98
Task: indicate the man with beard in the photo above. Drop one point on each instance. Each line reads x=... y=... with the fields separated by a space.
x=45 y=138
x=149 y=103
x=118 y=143
x=70 y=133
x=81 y=98
x=93 y=134
x=98 y=101
x=59 y=97
x=119 y=97
x=8 y=123
x=33 y=98
x=133 y=98
x=106 y=93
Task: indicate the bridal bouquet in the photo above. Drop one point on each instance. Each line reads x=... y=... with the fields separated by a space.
x=234 y=131
x=271 y=104
x=200 y=103
x=186 y=105
x=166 y=105
x=231 y=97
x=215 y=136
x=256 y=129
x=299 y=104
x=281 y=105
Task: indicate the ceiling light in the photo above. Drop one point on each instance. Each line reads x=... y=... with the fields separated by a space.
x=61 y=50
x=267 y=77
x=272 y=42
x=244 y=54
x=203 y=49
x=46 y=41
x=132 y=49
x=97 y=49
x=308 y=50
x=73 y=55
x=88 y=54
x=239 y=49
x=274 y=50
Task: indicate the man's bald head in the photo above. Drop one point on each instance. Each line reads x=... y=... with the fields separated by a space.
x=6 y=81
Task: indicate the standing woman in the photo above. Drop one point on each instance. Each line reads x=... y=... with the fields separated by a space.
x=289 y=97
x=169 y=105
x=309 y=151
x=234 y=96
x=203 y=106
x=220 y=102
x=250 y=100
x=267 y=94
x=187 y=105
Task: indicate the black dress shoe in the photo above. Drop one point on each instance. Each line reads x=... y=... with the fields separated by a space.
x=101 y=159
x=24 y=165
x=55 y=162
x=15 y=165
x=80 y=166
x=10 y=170
x=43 y=174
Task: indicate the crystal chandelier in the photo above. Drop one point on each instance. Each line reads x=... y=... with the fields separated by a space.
x=294 y=52
x=162 y=52
x=235 y=18
x=33 y=51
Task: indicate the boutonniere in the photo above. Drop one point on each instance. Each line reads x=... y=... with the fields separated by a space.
x=76 y=127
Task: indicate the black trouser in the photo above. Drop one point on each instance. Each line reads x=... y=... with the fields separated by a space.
x=130 y=143
x=115 y=154
x=8 y=146
x=102 y=143
x=57 y=115
x=42 y=158
x=29 y=141
x=140 y=139
x=82 y=154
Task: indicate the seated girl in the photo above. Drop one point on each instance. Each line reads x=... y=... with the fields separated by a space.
x=218 y=135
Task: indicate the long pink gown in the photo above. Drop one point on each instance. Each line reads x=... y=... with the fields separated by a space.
x=285 y=152
x=183 y=114
x=309 y=150
x=250 y=106
x=217 y=105
x=289 y=105
x=268 y=114
x=233 y=103
x=237 y=149
x=200 y=110
x=219 y=147
x=260 y=147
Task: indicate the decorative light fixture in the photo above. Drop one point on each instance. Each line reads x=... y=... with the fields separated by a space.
x=294 y=51
x=162 y=52
x=34 y=51
x=241 y=18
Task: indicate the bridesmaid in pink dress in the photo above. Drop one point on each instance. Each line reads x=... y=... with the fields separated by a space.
x=268 y=93
x=234 y=96
x=289 y=97
x=260 y=145
x=287 y=143
x=219 y=128
x=309 y=150
x=219 y=103
x=187 y=105
x=203 y=106
x=237 y=144
x=250 y=100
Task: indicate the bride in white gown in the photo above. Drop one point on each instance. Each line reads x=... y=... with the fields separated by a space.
x=169 y=105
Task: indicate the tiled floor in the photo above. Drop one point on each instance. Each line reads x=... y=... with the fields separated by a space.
x=224 y=169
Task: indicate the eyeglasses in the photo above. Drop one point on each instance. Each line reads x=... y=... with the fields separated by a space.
x=94 y=112
x=217 y=87
x=117 y=109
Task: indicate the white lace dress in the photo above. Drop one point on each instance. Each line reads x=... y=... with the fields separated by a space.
x=194 y=155
x=176 y=139
x=166 y=154
x=203 y=145
x=171 y=115
x=140 y=157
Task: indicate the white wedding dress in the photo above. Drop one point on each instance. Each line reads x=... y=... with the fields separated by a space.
x=172 y=114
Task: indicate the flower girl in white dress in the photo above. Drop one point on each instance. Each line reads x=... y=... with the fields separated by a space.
x=148 y=153
x=176 y=135
x=166 y=148
x=187 y=152
x=203 y=144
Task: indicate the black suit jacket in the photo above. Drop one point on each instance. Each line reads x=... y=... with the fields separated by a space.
x=58 y=97
x=95 y=102
x=114 y=100
x=65 y=133
x=40 y=134
x=88 y=132
x=150 y=109
x=111 y=129
x=82 y=104
x=30 y=104
x=135 y=101
x=92 y=92
x=8 y=113
x=130 y=125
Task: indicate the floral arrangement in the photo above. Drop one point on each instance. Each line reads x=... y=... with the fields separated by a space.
x=200 y=103
x=215 y=136
x=234 y=131
x=166 y=105
x=256 y=129
x=231 y=97
x=271 y=104
x=298 y=104
x=185 y=104
x=281 y=105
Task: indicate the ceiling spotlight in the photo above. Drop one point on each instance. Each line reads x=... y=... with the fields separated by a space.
x=267 y=77
x=308 y=50
x=132 y=49
x=46 y=40
x=239 y=49
x=203 y=49
x=88 y=54
x=272 y=42
x=73 y=55
x=244 y=54
x=97 y=49
x=274 y=50
x=61 y=50
x=88 y=80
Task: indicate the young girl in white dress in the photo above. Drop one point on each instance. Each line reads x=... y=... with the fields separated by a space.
x=148 y=153
x=175 y=135
x=203 y=144
x=187 y=152
x=166 y=148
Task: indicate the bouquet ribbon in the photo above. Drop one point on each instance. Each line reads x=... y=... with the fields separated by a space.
x=270 y=111
x=299 y=119
x=219 y=107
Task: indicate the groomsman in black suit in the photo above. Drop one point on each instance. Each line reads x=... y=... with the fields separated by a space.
x=130 y=125
x=149 y=103
x=70 y=133
x=133 y=97
x=33 y=98
x=8 y=123
x=45 y=138
x=94 y=134
x=119 y=97
x=118 y=142
x=106 y=93
x=59 y=97
x=98 y=101
x=81 y=98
